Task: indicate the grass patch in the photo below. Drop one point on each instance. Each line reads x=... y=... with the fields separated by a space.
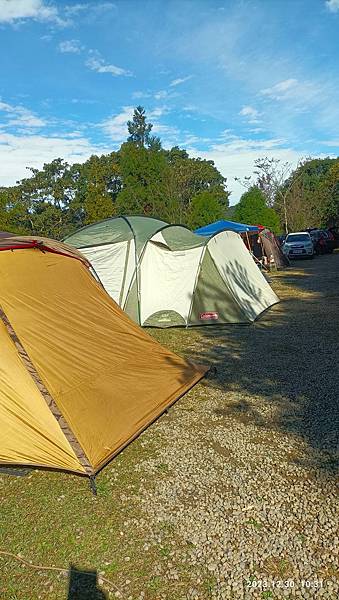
x=155 y=583
x=254 y=523
x=209 y=585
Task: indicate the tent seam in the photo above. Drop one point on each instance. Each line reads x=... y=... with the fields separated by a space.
x=202 y=256
x=48 y=398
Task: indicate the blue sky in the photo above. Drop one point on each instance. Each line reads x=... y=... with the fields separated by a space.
x=228 y=80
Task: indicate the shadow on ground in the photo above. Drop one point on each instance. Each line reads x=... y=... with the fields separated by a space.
x=285 y=362
x=83 y=585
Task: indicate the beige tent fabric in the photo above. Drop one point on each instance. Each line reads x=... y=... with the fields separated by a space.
x=108 y=377
x=29 y=433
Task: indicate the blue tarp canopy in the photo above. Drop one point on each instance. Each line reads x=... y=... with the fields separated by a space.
x=213 y=228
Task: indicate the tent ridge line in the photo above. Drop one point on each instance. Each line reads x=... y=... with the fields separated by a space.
x=52 y=405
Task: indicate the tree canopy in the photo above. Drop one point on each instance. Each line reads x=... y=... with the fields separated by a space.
x=307 y=196
x=143 y=178
x=312 y=194
x=140 y=131
x=252 y=209
x=140 y=178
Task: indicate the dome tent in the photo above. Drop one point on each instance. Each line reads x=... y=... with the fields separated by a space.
x=164 y=275
x=251 y=234
x=78 y=379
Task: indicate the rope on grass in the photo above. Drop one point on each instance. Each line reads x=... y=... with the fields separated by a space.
x=43 y=568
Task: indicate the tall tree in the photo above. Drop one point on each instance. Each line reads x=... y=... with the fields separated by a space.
x=14 y=216
x=139 y=130
x=41 y=202
x=142 y=171
x=253 y=210
x=273 y=177
x=312 y=194
x=98 y=183
x=187 y=177
x=205 y=208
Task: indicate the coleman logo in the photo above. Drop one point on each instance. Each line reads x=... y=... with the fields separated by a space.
x=209 y=316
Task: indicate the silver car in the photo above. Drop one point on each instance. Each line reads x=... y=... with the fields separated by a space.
x=298 y=245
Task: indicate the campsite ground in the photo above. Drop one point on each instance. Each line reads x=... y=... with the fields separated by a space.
x=236 y=486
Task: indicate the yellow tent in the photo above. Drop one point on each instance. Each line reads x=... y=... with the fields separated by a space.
x=78 y=379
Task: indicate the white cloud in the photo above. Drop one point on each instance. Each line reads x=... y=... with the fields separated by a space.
x=251 y=114
x=161 y=95
x=18 y=152
x=333 y=143
x=94 y=8
x=248 y=111
x=190 y=108
x=12 y=11
x=166 y=131
x=180 y=80
x=20 y=116
x=236 y=158
x=83 y=101
x=190 y=140
x=139 y=94
x=279 y=89
x=70 y=46
x=293 y=90
x=17 y=11
x=75 y=9
x=96 y=63
x=332 y=5
x=157 y=112
x=116 y=126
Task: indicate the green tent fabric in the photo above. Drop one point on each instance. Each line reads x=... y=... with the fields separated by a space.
x=115 y=230
x=164 y=275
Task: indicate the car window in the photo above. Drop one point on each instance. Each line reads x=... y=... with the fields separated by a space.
x=298 y=237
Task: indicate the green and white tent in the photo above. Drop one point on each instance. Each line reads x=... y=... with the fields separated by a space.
x=164 y=275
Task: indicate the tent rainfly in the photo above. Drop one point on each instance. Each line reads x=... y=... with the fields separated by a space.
x=5 y=234
x=272 y=249
x=218 y=226
x=78 y=379
x=164 y=275
x=250 y=234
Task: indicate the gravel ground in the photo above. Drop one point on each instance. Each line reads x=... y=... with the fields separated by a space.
x=229 y=496
x=246 y=494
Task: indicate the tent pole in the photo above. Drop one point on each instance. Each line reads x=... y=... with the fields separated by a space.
x=248 y=241
x=262 y=266
x=250 y=250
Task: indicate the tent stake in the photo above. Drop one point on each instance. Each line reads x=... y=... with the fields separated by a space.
x=93 y=485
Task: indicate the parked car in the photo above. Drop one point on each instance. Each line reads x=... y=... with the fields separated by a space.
x=323 y=242
x=298 y=245
x=281 y=239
